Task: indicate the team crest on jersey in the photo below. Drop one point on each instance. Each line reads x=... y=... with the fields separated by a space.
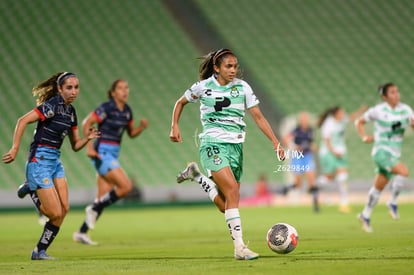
x=46 y=181
x=217 y=160
x=50 y=114
x=234 y=92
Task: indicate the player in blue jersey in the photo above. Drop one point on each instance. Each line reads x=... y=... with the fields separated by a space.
x=56 y=118
x=113 y=118
x=302 y=158
x=223 y=99
x=390 y=118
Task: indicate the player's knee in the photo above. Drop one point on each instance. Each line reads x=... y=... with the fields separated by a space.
x=55 y=215
x=232 y=195
x=128 y=187
x=124 y=189
x=341 y=176
x=404 y=172
x=65 y=209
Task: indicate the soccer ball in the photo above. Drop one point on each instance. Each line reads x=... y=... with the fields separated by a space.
x=282 y=238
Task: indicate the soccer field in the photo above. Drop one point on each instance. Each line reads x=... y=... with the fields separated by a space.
x=195 y=240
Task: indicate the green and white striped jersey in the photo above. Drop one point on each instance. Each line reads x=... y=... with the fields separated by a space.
x=222 y=108
x=389 y=126
x=335 y=131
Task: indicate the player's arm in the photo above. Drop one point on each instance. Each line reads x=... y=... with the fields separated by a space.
x=136 y=131
x=359 y=125
x=89 y=132
x=78 y=142
x=331 y=149
x=412 y=121
x=357 y=113
x=21 y=124
x=287 y=139
x=175 y=135
x=264 y=126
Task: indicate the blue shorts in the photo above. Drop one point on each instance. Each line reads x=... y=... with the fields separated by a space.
x=303 y=164
x=109 y=158
x=45 y=167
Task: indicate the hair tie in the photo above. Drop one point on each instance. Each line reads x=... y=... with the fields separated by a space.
x=220 y=53
x=63 y=77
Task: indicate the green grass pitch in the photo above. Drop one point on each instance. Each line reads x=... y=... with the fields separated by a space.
x=195 y=240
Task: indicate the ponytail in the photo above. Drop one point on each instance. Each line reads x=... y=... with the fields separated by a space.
x=113 y=87
x=49 y=87
x=326 y=113
x=206 y=68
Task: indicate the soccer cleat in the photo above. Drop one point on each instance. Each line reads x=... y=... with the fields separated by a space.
x=243 y=253
x=91 y=216
x=189 y=173
x=83 y=238
x=41 y=255
x=365 y=223
x=393 y=210
x=23 y=190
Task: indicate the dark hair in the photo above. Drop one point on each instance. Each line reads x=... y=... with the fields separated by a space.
x=49 y=87
x=113 y=86
x=383 y=89
x=326 y=113
x=209 y=60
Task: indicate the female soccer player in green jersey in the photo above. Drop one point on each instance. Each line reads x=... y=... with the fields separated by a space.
x=223 y=99
x=390 y=118
x=333 y=156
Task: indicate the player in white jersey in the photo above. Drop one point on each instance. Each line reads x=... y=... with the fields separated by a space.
x=333 y=152
x=223 y=99
x=390 y=118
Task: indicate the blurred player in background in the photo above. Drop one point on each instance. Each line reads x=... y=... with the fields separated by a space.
x=223 y=98
x=113 y=117
x=390 y=118
x=262 y=196
x=302 y=159
x=56 y=118
x=333 y=152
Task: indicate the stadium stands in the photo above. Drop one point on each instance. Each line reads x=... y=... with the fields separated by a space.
x=308 y=55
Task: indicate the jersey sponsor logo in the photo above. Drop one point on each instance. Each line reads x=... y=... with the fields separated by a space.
x=221 y=102
x=211 y=119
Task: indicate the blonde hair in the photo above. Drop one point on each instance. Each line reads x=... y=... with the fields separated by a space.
x=49 y=87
